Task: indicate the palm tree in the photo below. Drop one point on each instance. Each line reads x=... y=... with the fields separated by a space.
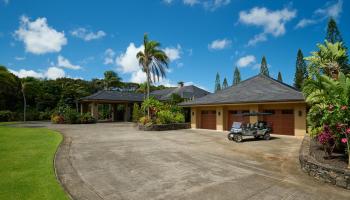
x=24 y=85
x=327 y=59
x=153 y=61
x=111 y=79
x=142 y=89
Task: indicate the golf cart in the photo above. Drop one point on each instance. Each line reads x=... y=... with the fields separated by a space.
x=257 y=130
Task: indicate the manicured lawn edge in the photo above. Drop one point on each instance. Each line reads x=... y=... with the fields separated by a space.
x=28 y=163
x=54 y=166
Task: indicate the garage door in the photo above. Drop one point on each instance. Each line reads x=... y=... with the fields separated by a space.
x=281 y=121
x=235 y=116
x=208 y=119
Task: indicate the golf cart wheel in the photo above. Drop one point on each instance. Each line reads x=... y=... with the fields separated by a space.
x=256 y=136
x=230 y=136
x=238 y=138
x=267 y=136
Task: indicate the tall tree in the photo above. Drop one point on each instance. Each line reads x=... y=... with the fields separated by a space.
x=224 y=84
x=153 y=61
x=326 y=60
x=300 y=70
x=236 y=76
x=111 y=79
x=279 y=77
x=333 y=36
x=263 y=68
x=217 y=83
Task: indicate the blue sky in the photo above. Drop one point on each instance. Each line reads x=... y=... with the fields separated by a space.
x=82 y=39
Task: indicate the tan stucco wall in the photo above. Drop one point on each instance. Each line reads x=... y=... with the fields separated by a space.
x=221 y=120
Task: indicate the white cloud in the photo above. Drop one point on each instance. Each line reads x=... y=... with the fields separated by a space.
x=20 y=58
x=127 y=61
x=173 y=53
x=109 y=57
x=88 y=35
x=65 y=63
x=22 y=73
x=272 y=22
x=39 y=37
x=329 y=10
x=305 y=22
x=212 y=5
x=219 y=44
x=256 y=39
x=245 y=61
x=54 y=73
x=168 y=1
x=50 y=73
x=190 y=2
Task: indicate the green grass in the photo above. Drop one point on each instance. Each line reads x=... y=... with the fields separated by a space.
x=26 y=164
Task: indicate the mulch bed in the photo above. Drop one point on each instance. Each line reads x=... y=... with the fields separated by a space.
x=338 y=159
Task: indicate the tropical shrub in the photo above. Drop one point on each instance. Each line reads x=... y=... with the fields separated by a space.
x=145 y=120
x=57 y=119
x=136 y=113
x=179 y=118
x=327 y=91
x=71 y=116
x=86 y=118
x=161 y=113
x=165 y=117
x=5 y=115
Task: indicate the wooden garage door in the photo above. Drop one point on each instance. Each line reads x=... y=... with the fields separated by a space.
x=234 y=116
x=208 y=119
x=281 y=121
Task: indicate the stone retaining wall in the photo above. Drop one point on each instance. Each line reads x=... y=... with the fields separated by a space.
x=164 y=127
x=324 y=172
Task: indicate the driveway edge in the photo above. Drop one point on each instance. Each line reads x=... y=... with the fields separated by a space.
x=70 y=180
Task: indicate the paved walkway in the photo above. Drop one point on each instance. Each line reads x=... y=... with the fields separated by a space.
x=115 y=161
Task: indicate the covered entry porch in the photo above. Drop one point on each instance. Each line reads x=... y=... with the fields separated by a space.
x=110 y=106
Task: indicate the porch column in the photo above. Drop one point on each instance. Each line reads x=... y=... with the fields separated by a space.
x=94 y=110
x=219 y=118
x=252 y=109
x=194 y=118
x=300 y=120
x=81 y=108
x=127 y=113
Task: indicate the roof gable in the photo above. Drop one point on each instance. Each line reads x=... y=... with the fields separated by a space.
x=259 y=88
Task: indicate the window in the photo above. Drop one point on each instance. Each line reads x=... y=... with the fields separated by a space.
x=270 y=111
x=287 y=112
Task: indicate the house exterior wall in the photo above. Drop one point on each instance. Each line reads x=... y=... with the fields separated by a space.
x=299 y=109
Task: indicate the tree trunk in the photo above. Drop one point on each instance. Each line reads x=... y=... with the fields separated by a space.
x=24 y=105
x=148 y=89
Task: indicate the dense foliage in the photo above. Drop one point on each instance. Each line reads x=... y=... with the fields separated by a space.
x=327 y=91
x=44 y=96
x=264 y=68
x=236 y=76
x=160 y=113
x=279 y=77
x=300 y=70
x=217 y=83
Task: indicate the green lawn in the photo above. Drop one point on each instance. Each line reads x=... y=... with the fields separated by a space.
x=26 y=164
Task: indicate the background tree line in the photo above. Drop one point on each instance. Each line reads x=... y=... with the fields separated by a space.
x=39 y=97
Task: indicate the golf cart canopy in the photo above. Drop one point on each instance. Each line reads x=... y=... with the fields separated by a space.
x=253 y=114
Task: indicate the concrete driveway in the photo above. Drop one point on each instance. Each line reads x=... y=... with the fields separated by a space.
x=115 y=161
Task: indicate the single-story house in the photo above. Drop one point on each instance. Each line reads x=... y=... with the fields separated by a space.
x=125 y=100
x=260 y=93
